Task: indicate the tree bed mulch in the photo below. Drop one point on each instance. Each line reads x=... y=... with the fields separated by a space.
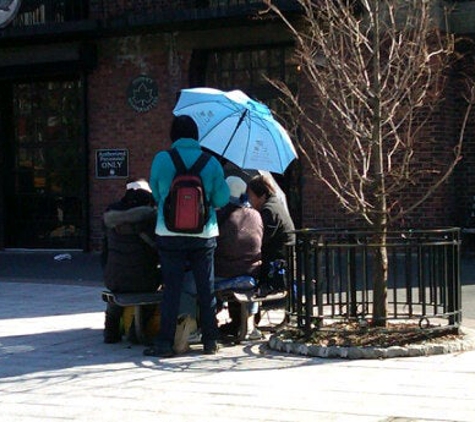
x=353 y=334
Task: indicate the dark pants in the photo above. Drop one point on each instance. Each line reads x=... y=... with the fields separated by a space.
x=175 y=254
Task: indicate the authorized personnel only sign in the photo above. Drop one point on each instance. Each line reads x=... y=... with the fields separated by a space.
x=112 y=163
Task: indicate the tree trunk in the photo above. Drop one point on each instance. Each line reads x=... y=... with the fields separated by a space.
x=380 y=281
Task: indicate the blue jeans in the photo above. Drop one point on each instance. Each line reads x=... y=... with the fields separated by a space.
x=175 y=253
x=188 y=299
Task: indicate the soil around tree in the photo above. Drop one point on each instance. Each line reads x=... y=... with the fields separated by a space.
x=353 y=334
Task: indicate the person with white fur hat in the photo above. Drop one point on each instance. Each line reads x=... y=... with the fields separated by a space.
x=239 y=245
x=129 y=256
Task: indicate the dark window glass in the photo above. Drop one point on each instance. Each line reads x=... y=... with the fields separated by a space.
x=47 y=190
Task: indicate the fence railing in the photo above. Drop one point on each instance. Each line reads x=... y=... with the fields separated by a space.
x=332 y=275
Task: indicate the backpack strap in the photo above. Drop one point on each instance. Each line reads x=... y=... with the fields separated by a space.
x=200 y=163
x=177 y=161
x=195 y=168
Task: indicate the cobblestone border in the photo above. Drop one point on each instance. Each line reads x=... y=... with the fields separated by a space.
x=289 y=346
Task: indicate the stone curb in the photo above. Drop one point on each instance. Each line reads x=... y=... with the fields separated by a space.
x=299 y=348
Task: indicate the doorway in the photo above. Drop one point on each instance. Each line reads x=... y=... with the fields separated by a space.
x=44 y=149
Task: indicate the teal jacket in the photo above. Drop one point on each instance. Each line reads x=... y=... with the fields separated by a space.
x=212 y=175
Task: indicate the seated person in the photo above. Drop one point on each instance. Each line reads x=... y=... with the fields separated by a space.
x=129 y=258
x=278 y=225
x=238 y=251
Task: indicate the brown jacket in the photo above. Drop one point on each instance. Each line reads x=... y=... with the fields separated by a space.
x=239 y=242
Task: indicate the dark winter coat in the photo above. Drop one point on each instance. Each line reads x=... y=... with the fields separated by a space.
x=277 y=225
x=130 y=258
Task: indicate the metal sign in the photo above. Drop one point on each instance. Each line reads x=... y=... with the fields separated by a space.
x=142 y=94
x=8 y=11
x=112 y=163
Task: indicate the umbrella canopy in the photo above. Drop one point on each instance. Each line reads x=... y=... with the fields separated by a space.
x=237 y=128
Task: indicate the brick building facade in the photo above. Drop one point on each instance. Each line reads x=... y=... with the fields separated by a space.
x=70 y=75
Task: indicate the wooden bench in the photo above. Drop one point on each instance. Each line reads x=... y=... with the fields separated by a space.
x=137 y=300
x=244 y=298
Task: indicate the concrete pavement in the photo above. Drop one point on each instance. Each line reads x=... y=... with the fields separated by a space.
x=54 y=366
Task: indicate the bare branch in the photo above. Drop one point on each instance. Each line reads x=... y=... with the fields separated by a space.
x=373 y=77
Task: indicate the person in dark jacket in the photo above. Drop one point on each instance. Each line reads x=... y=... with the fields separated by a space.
x=129 y=257
x=278 y=224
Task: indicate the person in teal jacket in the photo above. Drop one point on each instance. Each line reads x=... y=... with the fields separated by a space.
x=179 y=250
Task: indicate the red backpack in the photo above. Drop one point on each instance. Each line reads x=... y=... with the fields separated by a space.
x=186 y=209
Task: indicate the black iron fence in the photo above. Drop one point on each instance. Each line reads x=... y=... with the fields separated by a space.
x=332 y=275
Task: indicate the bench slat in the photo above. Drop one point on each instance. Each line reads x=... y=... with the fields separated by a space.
x=246 y=297
x=133 y=299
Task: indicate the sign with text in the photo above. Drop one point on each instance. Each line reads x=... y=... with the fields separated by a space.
x=112 y=163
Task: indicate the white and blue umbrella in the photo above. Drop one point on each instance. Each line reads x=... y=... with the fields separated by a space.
x=237 y=128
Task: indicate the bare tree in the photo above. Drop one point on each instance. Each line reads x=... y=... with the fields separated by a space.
x=374 y=73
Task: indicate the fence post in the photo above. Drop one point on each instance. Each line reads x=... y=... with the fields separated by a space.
x=454 y=287
x=308 y=286
x=353 y=305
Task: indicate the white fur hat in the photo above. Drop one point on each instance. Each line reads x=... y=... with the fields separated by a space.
x=237 y=187
x=139 y=184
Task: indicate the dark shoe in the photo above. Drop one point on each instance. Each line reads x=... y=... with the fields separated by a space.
x=111 y=338
x=229 y=329
x=112 y=332
x=159 y=351
x=211 y=348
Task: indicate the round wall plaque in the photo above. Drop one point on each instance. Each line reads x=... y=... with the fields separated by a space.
x=142 y=94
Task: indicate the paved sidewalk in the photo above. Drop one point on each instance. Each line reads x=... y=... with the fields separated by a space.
x=54 y=366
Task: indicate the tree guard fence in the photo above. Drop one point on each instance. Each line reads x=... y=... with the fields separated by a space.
x=331 y=276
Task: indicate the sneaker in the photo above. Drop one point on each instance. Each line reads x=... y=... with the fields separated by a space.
x=255 y=334
x=211 y=347
x=159 y=351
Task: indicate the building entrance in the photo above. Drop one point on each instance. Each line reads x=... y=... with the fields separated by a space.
x=44 y=181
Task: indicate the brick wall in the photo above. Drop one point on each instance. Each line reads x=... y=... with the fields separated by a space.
x=464 y=175
x=114 y=124
x=445 y=207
